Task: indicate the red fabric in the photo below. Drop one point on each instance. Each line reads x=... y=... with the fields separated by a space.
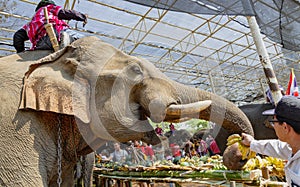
x=35 y=28
x=202 y=147
x=172 y=127
x=158 y=130
x=175 y=150
x=142 y=148
x=148 y=151
x=214 y=147
x=292 y=86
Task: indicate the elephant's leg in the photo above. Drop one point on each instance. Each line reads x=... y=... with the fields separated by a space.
x=89 y=165
x=67 y=176
x=23 y=158
x=21 y=170
x=86 y=169
x=21 y=179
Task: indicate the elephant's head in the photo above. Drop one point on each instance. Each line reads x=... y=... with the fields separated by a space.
x=114 y=93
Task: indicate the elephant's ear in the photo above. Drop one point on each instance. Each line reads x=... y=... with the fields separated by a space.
x=48 y=85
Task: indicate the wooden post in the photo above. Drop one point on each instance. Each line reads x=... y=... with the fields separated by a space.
x=265 y=173
x=264 y=59
x=232 y=184
x=98 y=181
x=50 y=31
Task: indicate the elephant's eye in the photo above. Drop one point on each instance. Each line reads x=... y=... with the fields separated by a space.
x=136 y=69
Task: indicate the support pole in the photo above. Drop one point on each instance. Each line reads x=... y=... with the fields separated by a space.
x=264 y=59
x=211 y=82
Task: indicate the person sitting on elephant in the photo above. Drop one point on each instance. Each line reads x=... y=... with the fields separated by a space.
x=172 y=128
x=36 y=32
x=286 y=123
x=159 y=130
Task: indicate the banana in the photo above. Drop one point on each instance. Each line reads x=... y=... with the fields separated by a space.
x=252 y=154
x=233 y=136
x=233 y=139
x=243 y=150
x=246 y=152
x=250 y=165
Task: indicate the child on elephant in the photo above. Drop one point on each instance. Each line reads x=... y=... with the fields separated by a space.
x=36 y=32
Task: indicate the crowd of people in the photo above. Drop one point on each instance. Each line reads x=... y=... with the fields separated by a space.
x=136 y=151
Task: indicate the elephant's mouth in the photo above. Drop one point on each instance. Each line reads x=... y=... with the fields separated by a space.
x=173 y=112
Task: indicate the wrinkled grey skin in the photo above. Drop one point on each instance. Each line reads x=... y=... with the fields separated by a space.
x=260 y=124
x=113 y=94
x=89 y=165
x=84 y=173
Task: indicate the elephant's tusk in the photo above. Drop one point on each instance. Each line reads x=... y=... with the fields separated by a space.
x=186 y=109
x=177 y=120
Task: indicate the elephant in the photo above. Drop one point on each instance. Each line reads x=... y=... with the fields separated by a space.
x=260 y=124
x=56 y=107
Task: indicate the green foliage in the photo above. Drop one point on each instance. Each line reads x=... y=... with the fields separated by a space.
x=192 y=125
x=195 y=125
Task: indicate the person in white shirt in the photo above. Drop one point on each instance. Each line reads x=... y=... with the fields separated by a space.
x=286 y=122
x=119 y=155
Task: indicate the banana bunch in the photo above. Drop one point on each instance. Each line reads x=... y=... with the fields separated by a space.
x=232 y=139
x=250 y=165
x=124 y=168
x=245 y=150
x=163 y=163
x=275 y=162
x=255 y=163
x=194 y=161
x=275 y=165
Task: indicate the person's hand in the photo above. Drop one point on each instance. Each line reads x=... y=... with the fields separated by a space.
x=85 y=20
x=246 y=139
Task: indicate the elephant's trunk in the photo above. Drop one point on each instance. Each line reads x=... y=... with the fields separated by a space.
x=221 y=111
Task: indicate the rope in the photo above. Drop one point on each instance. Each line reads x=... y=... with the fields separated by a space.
x=59 y=153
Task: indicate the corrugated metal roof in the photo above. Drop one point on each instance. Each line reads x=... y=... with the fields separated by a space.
x=211 y=52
